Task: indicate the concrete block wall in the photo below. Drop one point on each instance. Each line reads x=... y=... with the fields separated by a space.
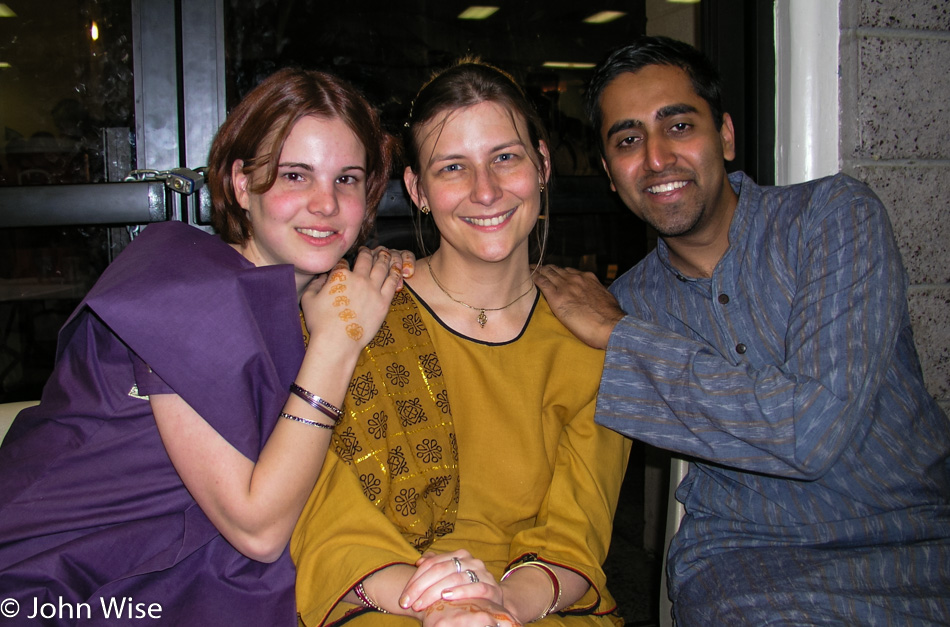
x=894 y=95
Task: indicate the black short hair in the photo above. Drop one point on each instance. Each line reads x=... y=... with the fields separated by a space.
x=646 y=51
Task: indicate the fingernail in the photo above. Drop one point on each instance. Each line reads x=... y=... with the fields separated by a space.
x=404 y=602
x=447 y=594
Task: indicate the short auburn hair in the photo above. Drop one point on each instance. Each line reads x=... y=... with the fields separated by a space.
x=255 y=132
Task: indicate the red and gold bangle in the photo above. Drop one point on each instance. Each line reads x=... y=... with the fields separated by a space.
x=365 y=600
x=555 y=584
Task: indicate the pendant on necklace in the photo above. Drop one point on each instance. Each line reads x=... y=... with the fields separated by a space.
x=482 y=318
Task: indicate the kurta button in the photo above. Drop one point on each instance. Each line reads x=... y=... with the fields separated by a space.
x=723 y=298
x=740 y=348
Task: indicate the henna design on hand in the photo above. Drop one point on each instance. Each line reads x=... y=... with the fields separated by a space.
x=469 y=606
x=355 y=331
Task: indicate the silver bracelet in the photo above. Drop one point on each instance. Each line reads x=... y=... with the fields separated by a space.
x=328 y=409
x=312 y=423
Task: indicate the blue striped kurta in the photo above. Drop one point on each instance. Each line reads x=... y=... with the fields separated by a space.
x=820 y=488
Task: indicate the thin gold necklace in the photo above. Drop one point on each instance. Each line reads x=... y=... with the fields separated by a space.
x=482 y=318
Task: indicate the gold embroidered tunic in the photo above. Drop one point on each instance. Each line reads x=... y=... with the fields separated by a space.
x=487 y=447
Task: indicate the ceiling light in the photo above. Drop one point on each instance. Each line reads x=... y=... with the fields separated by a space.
x=4 y=65
x=683 y=1
x=94 y=31
x=477 y=13
x=569 y=65
x=604 y=17
x=6 y=11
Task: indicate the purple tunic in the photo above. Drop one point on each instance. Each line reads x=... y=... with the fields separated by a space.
x=91 y=509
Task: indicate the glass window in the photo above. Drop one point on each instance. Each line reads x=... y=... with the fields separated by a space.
x=66 y=110
x=65 y=90
x=390 y=48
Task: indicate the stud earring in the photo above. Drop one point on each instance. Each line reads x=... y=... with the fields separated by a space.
x=542 y=188
x=424 y=209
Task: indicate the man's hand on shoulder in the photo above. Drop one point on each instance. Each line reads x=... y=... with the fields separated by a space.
x=580 y=302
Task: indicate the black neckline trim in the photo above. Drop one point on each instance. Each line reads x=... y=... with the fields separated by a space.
x=423 y=303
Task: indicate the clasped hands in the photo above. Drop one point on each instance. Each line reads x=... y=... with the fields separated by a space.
x=455 y=589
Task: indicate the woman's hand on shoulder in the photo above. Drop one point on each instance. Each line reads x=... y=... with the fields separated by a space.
x=350 y=304
x=402 y=260
x=468 y=613
x=406 y=260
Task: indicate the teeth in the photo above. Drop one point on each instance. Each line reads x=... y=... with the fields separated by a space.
x=490 y=221
x=666 y=187
x=315 y=233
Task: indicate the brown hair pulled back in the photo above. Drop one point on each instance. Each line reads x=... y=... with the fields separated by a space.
x=470 y=82
x=467 y=83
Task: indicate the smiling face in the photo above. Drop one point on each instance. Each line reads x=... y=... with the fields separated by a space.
x=664 y=155
x=480 y=178
x=312 y=214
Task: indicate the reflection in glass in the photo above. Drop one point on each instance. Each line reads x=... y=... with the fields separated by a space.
x=389 y=49
x=60 y=89
x=66 y=113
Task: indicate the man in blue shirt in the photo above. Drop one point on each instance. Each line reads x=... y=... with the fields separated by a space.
x=767 y=338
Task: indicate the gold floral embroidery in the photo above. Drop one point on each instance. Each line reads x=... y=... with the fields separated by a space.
x=397 y=427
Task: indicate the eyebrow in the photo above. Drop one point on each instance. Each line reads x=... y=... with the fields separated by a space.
x=309 y=168
x=675 y=109
x=623 y=125
x=665 y=112
x=516 y=142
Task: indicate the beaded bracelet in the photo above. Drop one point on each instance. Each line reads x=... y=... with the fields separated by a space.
x=331 y=411
x=312 y=423
x=555 y=584
x=365 y=600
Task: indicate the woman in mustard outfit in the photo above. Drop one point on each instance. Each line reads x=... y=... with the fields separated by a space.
x=469 y=484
